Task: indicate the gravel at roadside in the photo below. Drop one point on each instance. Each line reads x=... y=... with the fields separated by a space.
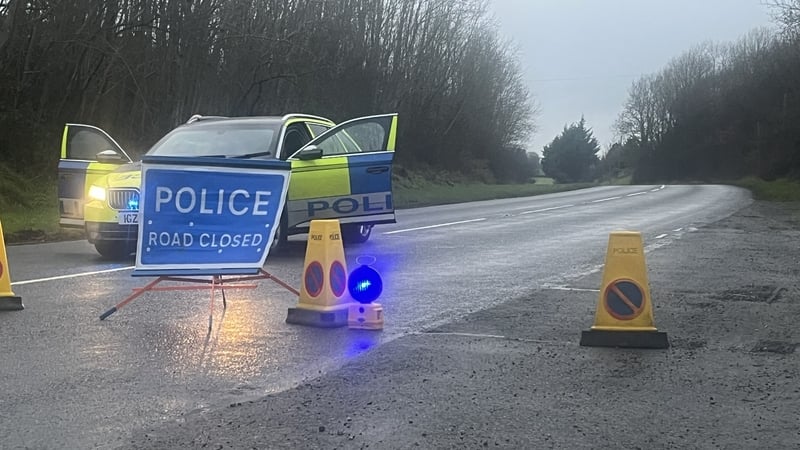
x=514 y=376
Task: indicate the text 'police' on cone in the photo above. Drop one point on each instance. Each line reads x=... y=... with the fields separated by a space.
x=624 y=315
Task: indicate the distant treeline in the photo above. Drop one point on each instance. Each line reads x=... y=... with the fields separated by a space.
x=137 y=68
x=718 y=111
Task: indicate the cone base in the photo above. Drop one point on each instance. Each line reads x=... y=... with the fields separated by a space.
x=624 y=339
x=13 y=303
x=365 y=316
x=322 y=319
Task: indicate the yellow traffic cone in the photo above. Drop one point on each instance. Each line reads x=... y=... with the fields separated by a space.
x=624 y=316
x=8 y=301
x=323 y=298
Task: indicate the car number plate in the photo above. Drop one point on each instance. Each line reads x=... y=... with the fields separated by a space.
x=129 y=218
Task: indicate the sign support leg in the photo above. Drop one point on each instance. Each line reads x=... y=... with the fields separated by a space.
x=222 y=288
x=280 y=282
x=130 y=298
x=216 y=282
x=211 y=304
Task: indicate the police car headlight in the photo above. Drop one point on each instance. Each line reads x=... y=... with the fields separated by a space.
x=97 y=193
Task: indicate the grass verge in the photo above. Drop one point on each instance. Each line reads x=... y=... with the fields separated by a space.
x=29 y=210
x=782 y=190
x=430 y=194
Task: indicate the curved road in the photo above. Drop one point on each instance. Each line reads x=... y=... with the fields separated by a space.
x=73 y=381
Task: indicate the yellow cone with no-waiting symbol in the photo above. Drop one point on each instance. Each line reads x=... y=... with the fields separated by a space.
x=8 y=301
x=624 y=315
x=323 y=298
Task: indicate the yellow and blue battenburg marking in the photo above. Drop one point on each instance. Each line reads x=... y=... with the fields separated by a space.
x=366 y=191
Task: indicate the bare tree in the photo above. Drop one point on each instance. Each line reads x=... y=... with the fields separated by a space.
x=787 y=13
x=139 y=67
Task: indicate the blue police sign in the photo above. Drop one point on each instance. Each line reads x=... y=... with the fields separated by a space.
x=208 y=216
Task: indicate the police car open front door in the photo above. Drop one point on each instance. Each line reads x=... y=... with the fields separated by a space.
x=87 y=153
x=345 y=174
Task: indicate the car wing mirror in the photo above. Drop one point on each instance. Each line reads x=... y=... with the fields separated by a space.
x=310 y=152
x=110 y=156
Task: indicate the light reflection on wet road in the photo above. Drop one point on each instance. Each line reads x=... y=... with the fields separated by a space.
x=74 y=380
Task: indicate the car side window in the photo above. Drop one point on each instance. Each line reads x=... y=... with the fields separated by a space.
x=366 y=136
x=332 y=146
x=359 y=137
x=296 y=137
x=85 y=144
x=318 y=129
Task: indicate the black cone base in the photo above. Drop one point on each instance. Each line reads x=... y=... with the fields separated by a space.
x=322 y=319
x=624 y=339
x=11 y=304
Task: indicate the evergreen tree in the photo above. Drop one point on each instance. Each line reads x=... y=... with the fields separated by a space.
x=572 y=156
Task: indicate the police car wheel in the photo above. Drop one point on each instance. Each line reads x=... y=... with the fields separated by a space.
x=356 y=234
x=279 y=242
x=113 y=249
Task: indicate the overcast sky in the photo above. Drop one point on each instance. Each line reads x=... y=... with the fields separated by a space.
x=580 y=56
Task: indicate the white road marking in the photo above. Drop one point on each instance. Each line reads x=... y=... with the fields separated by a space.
x=606 y=199
x=661 y=236
x=565 y=288
x=435 y=226
x=489 y=336
x=450 y=333
x=636 y=193
x=72 y=275
x=545 y=209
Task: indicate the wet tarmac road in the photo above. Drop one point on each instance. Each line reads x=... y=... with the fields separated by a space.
x=73 y=381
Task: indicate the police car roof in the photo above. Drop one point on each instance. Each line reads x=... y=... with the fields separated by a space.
x=267 y=120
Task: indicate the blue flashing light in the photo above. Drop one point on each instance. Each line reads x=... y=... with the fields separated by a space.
x=364 y=284
x=133 y=203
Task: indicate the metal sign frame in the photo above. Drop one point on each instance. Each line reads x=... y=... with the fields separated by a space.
x=185 y=267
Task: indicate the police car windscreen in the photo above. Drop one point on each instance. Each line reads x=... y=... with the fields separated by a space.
x=220 y=140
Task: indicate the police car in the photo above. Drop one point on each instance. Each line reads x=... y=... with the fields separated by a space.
x=337 y=172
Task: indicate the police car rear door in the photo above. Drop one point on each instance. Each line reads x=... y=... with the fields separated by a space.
x=345 y=174
x=87 y=153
